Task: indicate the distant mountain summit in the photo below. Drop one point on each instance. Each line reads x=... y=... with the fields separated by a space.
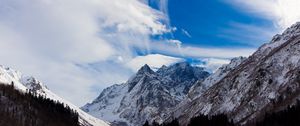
x=147 y=95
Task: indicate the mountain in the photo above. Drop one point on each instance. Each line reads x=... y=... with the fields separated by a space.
x=25 y=83
x=148 y=95
x=267 y=81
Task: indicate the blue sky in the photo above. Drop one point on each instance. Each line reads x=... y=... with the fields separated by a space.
x=207 y=22
x=79 y=47
x=214 y=24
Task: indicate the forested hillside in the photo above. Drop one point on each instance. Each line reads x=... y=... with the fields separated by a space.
x=27 y=109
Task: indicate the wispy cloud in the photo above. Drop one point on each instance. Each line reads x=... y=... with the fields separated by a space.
x=186 y=33
x=248 y=34
x=283 y=12
x=163 y=7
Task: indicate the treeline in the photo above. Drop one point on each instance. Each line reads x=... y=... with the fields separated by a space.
x=201 y=120
x=27 y=109
x=287 y=117
x=216 y=120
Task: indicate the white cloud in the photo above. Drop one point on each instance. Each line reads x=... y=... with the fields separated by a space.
x=53 y=39
x=155 y=61
x=163 y=7
x=178 y=43
x=283 y=12
x=213 y=63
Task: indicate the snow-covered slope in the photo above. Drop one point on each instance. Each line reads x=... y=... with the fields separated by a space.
x=26 y=83
x=269 y=80
x=147 y=95
x=201 y=86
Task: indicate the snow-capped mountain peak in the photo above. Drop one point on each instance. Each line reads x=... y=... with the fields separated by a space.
x=145 y=69
x=147 y=95
x=144 y=72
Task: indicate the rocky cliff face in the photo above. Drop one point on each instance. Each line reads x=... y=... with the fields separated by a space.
x=148 y=95
x=267 y=81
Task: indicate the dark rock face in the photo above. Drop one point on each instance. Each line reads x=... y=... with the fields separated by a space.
x=183 y=74
x=33 y=85
x=148 y=95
